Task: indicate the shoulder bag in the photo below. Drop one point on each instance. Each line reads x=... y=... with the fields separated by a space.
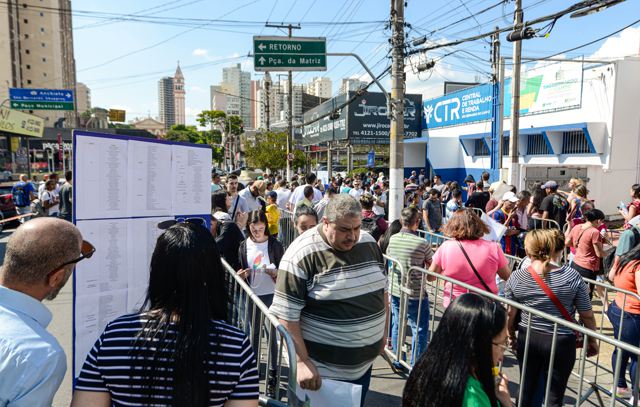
x=558 y=304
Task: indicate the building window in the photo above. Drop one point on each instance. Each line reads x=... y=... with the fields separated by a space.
x=26 y=36
x=41 y=14
x=575 y=142
x=41 y=29
x=25 y=21
x=44 y=59
x=537 y=145
x=44 y=74
x=505 y=145
x=43 y=44
x=28 y=81
x=28 y=66
x=480 y=147
x=26 y=51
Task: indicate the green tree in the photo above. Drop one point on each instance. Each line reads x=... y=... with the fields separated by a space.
x=270 y=151
x=180 y=132
x=219 y=119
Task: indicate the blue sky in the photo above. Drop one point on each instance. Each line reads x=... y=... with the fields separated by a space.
x=121 y=61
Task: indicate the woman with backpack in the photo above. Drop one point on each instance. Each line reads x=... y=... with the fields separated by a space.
x=372 y=223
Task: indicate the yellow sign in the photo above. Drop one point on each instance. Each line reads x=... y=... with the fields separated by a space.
x=14 y=121
x=116 y=115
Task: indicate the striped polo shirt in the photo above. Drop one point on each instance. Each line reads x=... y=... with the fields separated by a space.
x=109 y=366
x=338 y=298
x=409 y=250
x=565 y=282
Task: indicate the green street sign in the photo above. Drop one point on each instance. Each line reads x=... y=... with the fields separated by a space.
x=41 y=105
x=290 y=53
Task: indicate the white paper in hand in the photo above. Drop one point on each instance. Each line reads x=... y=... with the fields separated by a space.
x=332 y=393
x=496 y=230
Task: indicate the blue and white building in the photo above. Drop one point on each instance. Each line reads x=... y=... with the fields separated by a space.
x=577 y=119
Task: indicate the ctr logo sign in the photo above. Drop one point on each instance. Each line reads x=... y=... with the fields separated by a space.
x=442 y=111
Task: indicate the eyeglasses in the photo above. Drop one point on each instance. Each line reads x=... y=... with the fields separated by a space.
x=86 y=252
x=164 y=225
x=504 y=346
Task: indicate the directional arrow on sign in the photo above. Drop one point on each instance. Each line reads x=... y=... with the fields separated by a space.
x=261 y=60
x=68 y=95
x=261 y=47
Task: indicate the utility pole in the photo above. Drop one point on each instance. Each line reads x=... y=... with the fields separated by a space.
x=514 y=162
x=396 y=140
x=290 y=27
x=501 y=113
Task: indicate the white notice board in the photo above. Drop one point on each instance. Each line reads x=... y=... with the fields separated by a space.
x=122 y=188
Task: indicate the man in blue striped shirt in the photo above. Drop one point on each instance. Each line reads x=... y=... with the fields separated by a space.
x=39 y=259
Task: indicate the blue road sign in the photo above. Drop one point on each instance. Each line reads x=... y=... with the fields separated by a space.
x=40 y=95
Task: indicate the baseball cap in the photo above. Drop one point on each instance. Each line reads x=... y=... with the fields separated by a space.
x=510 y=196
x=550 y=184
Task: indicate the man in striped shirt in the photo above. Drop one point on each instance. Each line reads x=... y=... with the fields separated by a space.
x=330 y=295
x=409 y=250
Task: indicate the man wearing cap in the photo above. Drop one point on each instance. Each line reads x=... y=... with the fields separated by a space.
x=554 y=205
x=505 y=214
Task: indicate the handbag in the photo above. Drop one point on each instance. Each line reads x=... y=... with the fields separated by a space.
x=473 y=267
x=558 y=304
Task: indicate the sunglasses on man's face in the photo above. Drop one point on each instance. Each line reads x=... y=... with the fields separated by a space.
x=86 y=252
x=168 y=223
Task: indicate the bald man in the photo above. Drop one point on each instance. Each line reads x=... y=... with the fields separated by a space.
x=39 y=259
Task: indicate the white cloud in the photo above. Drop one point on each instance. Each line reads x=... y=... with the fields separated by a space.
x=625 y=44
x=200 y=52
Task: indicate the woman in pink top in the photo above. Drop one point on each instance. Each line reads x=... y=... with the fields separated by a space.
x=457 y=258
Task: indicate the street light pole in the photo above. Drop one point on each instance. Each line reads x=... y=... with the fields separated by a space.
x=396 y=141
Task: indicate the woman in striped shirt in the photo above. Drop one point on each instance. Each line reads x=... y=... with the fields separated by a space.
x=178 y=350
x=544 y=247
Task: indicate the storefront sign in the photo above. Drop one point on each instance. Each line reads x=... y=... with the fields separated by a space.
x=13 y=121
x=549 y=88
x=325 y=129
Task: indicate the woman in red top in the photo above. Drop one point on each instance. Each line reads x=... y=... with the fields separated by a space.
x=633 y=209
x=627 y=277
x=587 y=241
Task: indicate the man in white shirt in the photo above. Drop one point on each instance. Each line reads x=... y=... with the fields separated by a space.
x=380 y=199
x=238 y=210
x=284 y=194
x=357 y=190
x=42 y=188
x=251 y=195
x=298 y=193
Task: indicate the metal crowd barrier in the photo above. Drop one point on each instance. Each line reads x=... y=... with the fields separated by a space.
x=248 y=312
x=595 y=375
x=286 y=228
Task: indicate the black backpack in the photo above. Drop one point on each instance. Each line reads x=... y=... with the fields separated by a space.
x=371 y=225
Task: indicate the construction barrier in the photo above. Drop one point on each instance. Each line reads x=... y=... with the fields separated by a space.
x=593 y=379
x=248 y=312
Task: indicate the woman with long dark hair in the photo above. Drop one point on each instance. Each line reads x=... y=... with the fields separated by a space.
x=177 y=350
x=226 y=232
x=457 y=368
x=625 y=276
x=534 y=211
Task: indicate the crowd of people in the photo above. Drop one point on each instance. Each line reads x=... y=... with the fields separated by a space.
x=334 y=292
x=50 y=197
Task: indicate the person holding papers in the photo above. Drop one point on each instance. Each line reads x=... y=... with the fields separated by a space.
x=260 y=257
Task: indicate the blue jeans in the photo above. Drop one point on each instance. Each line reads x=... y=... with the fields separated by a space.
x=630 y=333
x=419 y=333
x=364 y=381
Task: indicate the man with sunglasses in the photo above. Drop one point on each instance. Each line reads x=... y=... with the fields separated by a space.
x=40 y=257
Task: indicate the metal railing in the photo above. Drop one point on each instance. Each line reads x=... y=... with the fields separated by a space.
x=286 y=228
x=249 y=313
x=596 y=375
